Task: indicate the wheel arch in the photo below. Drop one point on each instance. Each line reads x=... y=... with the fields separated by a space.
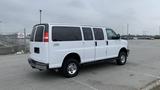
x=74 y=56
x=123 y=49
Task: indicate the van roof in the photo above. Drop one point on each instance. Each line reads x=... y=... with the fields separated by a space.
x=74 y=25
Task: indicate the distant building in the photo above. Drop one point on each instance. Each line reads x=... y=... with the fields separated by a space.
x=136 y=37
x=21 y=35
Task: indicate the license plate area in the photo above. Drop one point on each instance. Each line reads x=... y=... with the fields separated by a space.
x=36 y=50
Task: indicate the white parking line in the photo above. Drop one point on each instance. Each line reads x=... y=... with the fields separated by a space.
x=85 y=84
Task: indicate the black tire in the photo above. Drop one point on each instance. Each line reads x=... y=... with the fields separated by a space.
x=67 y=69
x=122 y=58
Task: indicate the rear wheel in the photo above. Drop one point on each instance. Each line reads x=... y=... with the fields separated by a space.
x=70 y=68
x=122 y=58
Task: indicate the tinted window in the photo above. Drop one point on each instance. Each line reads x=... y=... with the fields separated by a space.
x=66 y=33
x=39 y=34
x=32 y=34
x=110 y=34
x=98 y=33
x=87 y=32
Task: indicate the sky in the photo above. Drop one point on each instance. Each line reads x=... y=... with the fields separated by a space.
x=142 y=16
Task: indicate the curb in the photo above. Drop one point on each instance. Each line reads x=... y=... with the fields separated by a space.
x=151 y=85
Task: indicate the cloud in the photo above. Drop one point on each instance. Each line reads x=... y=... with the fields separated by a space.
x=17 y=14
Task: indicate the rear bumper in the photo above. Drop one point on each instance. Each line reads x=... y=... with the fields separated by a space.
x=38 y=65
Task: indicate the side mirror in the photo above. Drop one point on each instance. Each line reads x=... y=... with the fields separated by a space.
x=116 y=37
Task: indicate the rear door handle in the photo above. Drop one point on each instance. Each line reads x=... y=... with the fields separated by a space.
x=106 y=42
x=95 y=43
x=56 y=44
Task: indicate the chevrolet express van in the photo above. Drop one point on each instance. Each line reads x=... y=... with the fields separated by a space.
x=66 y=47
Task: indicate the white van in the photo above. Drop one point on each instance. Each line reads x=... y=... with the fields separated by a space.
x=66 y=47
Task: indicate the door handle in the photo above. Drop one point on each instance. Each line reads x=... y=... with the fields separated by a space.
x=95 y=43
x=106 y=42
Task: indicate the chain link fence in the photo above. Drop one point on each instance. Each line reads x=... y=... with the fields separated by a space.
x=13 y=44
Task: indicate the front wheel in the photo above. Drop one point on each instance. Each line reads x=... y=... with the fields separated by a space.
x=122 y=58
x=70 y=68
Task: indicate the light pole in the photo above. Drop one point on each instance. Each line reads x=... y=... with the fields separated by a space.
x=159 y=30
x=127 y=31
x=25 y=48
x=0 y=26
x=40 y=11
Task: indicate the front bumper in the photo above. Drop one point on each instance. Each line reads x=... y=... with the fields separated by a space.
x=38 y=65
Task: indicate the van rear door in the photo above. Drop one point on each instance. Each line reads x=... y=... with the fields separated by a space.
x=39 y=43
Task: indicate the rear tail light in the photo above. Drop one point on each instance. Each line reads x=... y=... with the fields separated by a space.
x=46 y=36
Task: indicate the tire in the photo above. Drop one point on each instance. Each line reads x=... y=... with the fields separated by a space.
x=70 y=68
x=122 y=58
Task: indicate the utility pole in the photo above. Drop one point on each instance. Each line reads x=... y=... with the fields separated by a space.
x=127 y=31
x=159 y=30
x=25 y=46
x=40 y=11
x=123 y=30
x=1 y=25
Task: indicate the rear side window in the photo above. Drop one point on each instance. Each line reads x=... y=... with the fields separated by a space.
x=60 y=33
x=87 y=32
x=39 y=34
x=32 y=34
x=98 y=33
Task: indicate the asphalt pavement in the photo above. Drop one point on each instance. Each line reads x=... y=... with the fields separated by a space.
x=142 y=68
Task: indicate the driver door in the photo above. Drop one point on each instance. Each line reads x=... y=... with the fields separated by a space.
x=113 y=44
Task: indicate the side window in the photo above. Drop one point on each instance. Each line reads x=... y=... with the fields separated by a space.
x=110 y=34
x=98 y=33
x=62 y=33
x=87 y=33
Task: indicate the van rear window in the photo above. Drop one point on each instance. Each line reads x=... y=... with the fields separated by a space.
x=39 y=34
x=32 y=34
x=60 y=33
